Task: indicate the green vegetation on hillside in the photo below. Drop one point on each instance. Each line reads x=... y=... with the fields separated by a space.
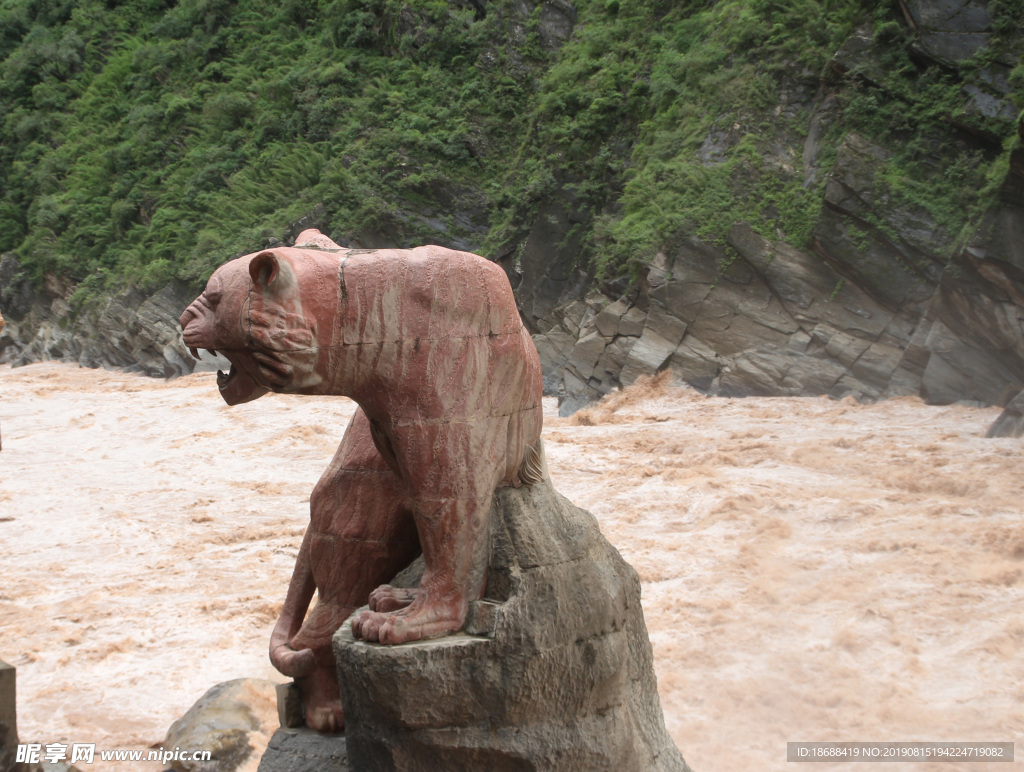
x=144 y=140
x=658 y=79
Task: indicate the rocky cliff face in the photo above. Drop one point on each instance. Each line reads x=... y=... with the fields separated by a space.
x=886 y=297
x=131 y=330
x=866 y=313
x=884 y=300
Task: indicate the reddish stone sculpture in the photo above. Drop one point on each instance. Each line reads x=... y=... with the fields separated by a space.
x=429 y=343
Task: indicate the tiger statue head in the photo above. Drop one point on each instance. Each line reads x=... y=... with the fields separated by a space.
x=252 y=313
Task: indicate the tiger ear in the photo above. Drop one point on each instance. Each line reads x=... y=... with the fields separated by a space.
x=264 y=268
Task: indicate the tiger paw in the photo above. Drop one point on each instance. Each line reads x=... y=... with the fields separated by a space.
x=388 y=598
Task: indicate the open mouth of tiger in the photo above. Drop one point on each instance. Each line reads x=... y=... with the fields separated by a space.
x=236 y=386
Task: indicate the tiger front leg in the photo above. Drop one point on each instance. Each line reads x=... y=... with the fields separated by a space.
x=452 y=469
x=453 y=534
x=294 y=662
x=293 y=651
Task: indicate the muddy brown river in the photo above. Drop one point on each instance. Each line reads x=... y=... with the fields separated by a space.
x=812 y=570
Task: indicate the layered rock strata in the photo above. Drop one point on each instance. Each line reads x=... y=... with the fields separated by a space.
x=131 y=330
x=885 y=299
x=861 y=313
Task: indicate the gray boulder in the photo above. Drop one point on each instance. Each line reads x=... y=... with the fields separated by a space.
x=224 y=721
x=557 y=673
x=1011 y=421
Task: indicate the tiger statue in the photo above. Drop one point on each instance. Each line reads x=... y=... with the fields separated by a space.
x=430 y=345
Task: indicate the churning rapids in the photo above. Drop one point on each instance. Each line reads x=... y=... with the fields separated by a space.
x=812 y=570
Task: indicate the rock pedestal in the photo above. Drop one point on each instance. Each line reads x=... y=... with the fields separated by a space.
x=559 y=675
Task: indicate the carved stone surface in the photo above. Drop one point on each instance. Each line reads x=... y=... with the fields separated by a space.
x=430 y=344
x=565 y=683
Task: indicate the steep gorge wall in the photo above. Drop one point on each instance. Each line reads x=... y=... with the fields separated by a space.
x=861 y=315
x=883 y=298
x=129 y=331
x=884 y=301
